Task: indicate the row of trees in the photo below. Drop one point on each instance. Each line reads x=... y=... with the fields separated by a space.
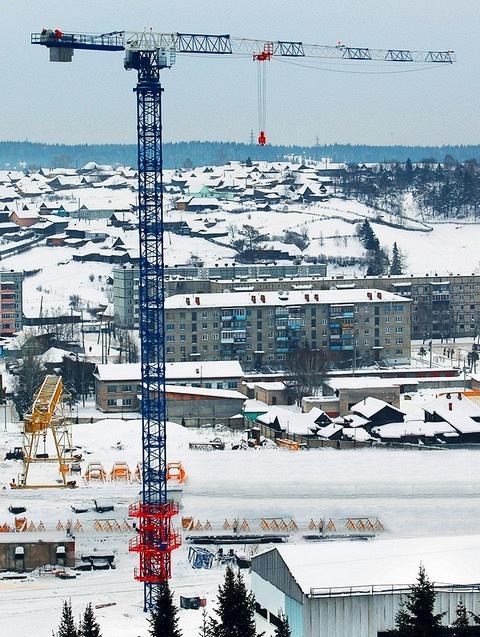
x=447 y=190
x=379 y=262
x=234 y=616
x=88 y=626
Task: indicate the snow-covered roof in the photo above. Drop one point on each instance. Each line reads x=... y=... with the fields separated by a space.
x=359 y=382
x=356 y=433
x=295 y=297
x=204 y=391
x=459 y=404
x=355 y=420
x=371 y=406
x=173 y=371
x=252 y=405
x=392 y=563
x=329 y=431
x=413 y=428
x=272 y=386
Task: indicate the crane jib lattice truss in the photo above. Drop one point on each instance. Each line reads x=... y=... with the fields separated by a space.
x=148 y=53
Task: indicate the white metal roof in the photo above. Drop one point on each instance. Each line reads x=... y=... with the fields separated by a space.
x=392 y=562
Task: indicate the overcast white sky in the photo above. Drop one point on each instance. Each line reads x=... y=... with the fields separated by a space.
x=91 y=99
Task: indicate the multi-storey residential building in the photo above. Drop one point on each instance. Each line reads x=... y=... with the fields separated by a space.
x=445 y=306
x=11 y=313
x=258 y=328
x=177 y=278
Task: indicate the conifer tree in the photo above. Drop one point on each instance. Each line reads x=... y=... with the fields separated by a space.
x=416 y=618
x=163 y=618
x=204 y=628
x=236 y=608
x=67 y=626
x=89 y=626
x=283 y=628
x=460 y=627
x=396 y=265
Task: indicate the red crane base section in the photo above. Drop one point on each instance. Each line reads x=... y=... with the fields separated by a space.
x=155 y=541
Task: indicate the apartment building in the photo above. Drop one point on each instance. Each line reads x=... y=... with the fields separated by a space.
x=11 y=310
x=178 y=279
x=442 y=305
x=258 y=328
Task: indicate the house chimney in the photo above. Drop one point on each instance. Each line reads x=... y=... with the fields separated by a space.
x=379 y=295
x=254 y=298
x=187 y=300
x=369 y=295
x=262 y=298
x=459 y=396
x=450 y=407
x=197 y=300
x=307 y=297
x=315 y=296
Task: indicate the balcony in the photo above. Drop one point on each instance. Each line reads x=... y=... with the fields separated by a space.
x=282 y=338
x=283 y=350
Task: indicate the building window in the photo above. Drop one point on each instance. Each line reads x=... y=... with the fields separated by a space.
x=182 y=326
x=204 y=326
x=127 y=402
x=399 y=330
x=399 y=319
x=204 y=315
x=170 y=327
x=204 y=337
x=170 y=338
x=111 y=402
x=126 y=388
x=111 y=389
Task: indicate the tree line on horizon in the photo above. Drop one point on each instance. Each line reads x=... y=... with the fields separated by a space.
x=33 y=155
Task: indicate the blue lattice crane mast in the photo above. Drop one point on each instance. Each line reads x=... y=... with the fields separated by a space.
x=149 y=53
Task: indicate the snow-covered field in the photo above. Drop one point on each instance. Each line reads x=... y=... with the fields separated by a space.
x=413 y=492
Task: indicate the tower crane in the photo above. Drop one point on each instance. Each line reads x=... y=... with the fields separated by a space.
x=148 y=53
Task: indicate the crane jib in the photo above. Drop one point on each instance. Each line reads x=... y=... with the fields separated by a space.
x=201 y=43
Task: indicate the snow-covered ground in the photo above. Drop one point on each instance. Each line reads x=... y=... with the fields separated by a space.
x=413 y=492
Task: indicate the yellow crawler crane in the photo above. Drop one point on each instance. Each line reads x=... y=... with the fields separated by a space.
x=47 y=416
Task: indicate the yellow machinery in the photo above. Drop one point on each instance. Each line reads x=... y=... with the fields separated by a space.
x=48 y=415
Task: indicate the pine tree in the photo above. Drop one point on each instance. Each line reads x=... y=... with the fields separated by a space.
x=89 y=626
x=416 y=617
x=461 y=625
x=163 y=618
x=204 y=630
x=283 y=628
x=67 y=626
x=396 y=265
x=377 y=263
x=236 y=608
x=367 y=237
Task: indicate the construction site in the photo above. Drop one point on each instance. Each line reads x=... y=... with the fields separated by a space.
x=171 y=474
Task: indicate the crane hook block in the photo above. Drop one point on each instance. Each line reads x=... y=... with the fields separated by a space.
x=262 y=140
